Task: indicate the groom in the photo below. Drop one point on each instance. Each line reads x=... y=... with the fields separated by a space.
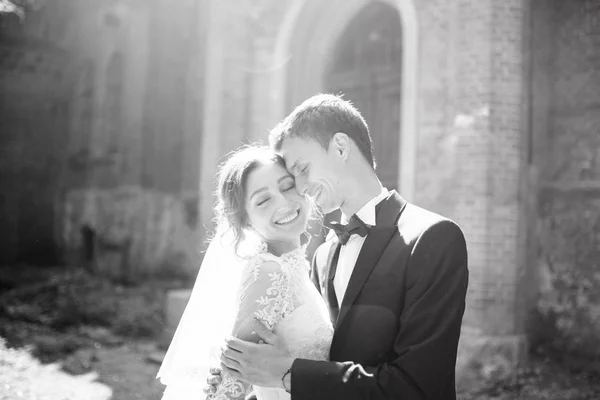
x=395 y=278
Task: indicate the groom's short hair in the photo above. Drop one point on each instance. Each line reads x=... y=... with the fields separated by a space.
x=319 y=118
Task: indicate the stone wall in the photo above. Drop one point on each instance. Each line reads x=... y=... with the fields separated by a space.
x=129 y=232
x=135 y=174
x=566 y=103
x=35 y=81
x=130 y=144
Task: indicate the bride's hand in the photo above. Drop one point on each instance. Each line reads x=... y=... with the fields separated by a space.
x=212 y=382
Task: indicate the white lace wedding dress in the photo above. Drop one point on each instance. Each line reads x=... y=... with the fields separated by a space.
x=279 y=292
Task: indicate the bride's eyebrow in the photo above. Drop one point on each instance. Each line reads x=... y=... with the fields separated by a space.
x=257 y=191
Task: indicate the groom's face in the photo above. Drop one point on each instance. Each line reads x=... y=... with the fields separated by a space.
x=317 y=171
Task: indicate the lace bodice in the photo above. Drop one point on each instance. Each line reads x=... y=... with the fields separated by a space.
x=278 y=292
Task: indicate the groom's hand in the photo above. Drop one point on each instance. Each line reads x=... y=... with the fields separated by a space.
x=261 y=364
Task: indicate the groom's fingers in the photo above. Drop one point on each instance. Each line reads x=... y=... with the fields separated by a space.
x=235 y=356
x=264 y=332
x=349 y=373
x=231 y=372
x=357 y=370
x=230 y=363
x=233 y=344
x=237 y=345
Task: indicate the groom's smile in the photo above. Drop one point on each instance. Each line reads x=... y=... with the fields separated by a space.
x=316 y=194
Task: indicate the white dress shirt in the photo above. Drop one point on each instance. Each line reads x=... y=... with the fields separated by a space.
x=349 y=252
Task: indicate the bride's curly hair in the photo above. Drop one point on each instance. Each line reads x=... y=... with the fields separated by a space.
x=230 y=211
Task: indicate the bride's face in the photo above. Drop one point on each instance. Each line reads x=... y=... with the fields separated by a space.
x=275 y=209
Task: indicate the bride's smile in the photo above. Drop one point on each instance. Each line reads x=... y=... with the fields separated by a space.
x=289 y=218
x=275 y=210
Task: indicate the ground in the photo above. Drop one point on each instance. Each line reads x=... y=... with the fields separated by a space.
x=67 y=335
x=118 y=373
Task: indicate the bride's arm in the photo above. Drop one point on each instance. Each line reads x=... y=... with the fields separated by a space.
x=265 y=294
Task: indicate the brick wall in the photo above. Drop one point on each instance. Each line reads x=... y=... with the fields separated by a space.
x=507 y=161
x=471 y=155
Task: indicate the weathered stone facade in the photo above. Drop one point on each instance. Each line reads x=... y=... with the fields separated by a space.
x=126 y=159
x=566 y=160
x=498 y=129
x=35 y=77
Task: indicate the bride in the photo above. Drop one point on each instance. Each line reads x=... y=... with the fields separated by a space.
x=255 y=268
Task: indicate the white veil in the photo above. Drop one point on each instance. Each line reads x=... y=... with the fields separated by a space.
x=208 y=318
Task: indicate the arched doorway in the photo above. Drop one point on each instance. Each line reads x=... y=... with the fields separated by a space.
x=309 y=38
x=365 y=68
x=365 y=50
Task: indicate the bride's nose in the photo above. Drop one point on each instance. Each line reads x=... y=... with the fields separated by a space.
x=282 y=201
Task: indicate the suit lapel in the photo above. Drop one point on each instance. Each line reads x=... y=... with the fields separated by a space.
x=377 y=240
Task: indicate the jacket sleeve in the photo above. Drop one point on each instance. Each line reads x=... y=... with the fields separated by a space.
x=427 y=342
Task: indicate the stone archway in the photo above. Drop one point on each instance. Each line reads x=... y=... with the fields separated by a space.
x=364 y=68
x=305 y=45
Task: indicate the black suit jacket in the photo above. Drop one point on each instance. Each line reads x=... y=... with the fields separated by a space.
x=401 y=315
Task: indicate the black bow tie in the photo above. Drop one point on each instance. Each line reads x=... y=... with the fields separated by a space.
x=354 y=227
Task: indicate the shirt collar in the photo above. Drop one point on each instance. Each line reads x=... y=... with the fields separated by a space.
x=367 y=212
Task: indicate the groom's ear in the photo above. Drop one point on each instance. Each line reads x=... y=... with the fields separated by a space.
x=341 y=144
